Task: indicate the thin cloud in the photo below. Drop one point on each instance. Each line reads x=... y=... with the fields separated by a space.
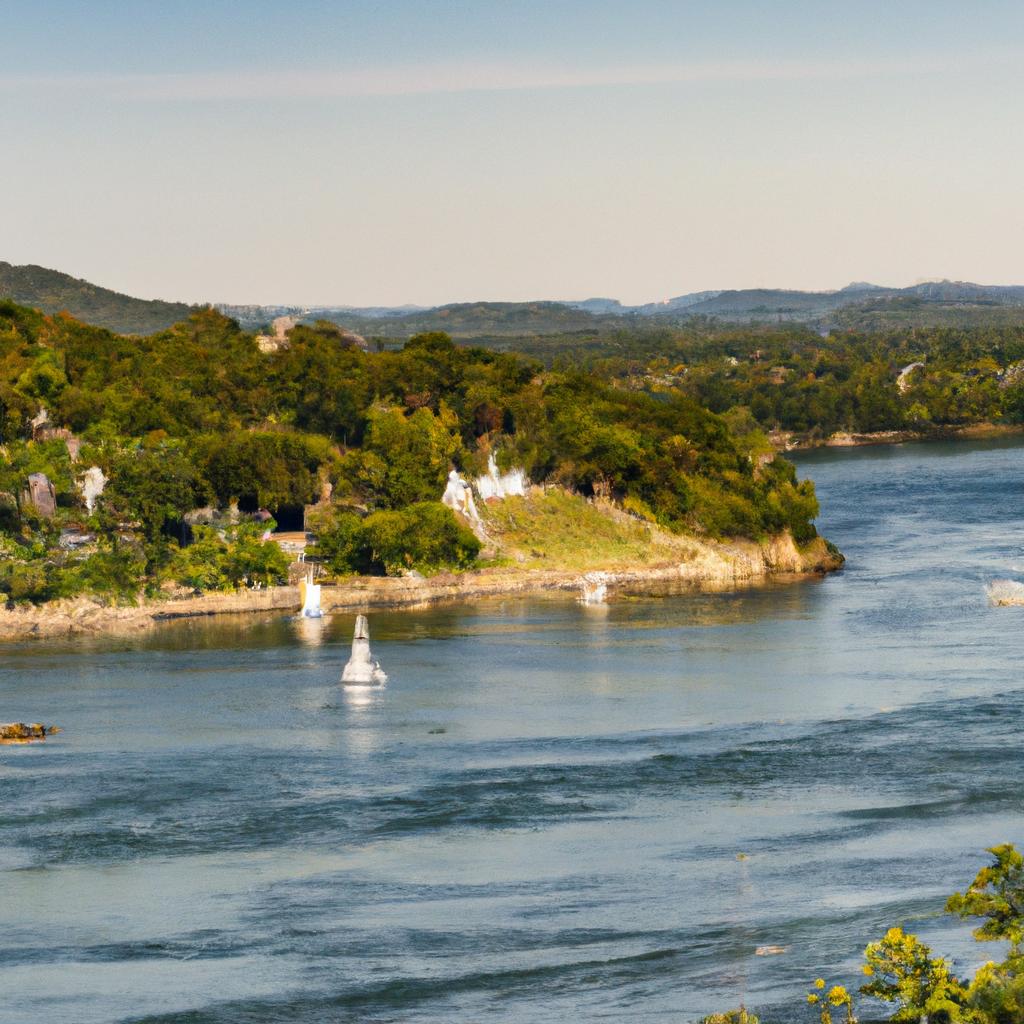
x=417 y=80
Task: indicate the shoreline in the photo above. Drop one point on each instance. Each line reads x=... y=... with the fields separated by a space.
x=709 y=566
x=790 y=441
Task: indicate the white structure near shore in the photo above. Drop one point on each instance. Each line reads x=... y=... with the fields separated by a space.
x=361 y=669
x=594 y=588
x=309 y=593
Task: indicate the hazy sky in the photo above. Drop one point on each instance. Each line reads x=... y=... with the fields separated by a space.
x=430 y=151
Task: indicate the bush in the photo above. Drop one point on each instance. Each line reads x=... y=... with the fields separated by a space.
x=340 y=544
x=426 y=537
x=227 y=560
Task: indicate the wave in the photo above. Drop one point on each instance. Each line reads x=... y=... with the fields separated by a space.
x=963 y=757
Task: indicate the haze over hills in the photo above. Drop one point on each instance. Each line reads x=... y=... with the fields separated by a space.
x=858 y=305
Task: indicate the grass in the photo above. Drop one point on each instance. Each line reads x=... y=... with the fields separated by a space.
x=558 y=530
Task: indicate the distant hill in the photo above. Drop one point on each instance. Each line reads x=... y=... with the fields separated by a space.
x=859 y=305
x=491 y=320
x=54 y=292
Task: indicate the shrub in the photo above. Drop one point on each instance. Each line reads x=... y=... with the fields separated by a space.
x=340 y=541
x=426 y=537
x=224 y=561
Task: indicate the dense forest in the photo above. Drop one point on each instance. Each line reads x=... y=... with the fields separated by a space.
x=198 y=417
x=53 y=291
x=794 y=379
x=855 y=382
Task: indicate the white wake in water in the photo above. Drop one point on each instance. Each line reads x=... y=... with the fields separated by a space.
x=1005 y=592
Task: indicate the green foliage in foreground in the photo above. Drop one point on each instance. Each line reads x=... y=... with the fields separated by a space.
x=918 y=986
x=198 y=415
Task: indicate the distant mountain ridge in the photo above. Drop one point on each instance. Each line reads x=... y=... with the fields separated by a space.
x=54 y=292
x=859 y=304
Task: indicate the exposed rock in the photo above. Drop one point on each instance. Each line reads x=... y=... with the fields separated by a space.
x=72 y=539
x=40 y=420
x=353 y=340
x=92 y=486
x=459 y=497
x=279 y=339
x=903 y=379
x=40 y=495
x=361 y=668
x=500 y=485
x=594 y=588
x=19 y=732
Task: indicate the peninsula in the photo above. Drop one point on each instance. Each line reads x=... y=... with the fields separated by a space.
x=207 y=468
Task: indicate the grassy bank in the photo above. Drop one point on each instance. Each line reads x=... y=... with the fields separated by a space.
x=543 y=542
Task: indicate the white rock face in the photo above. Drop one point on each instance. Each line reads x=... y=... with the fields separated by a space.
x=594 y=588
x=92 y=486
x=459 y=497
x=500 y=485
x=40 y=420
x=361 y=669
x=903 y=380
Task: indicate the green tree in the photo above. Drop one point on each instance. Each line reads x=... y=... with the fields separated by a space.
x=153 y=487
x=997 y=895
x=903 y=971
x=405 y=460
x=425 y=536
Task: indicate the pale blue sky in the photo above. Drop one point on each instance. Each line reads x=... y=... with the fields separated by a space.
x=418 y=151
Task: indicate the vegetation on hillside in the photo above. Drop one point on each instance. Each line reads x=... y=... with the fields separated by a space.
x=198 y=416
x=796 y=380
x=54 y=292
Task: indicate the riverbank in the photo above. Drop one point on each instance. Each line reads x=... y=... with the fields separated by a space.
x=791 y=441
x=703 y=565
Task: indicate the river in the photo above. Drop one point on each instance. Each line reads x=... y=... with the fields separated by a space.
x=551 y=813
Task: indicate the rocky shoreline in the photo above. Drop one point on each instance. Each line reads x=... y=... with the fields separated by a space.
x=790 y=441
x=704 y=565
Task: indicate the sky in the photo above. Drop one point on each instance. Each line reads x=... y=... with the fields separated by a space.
x=431 y=151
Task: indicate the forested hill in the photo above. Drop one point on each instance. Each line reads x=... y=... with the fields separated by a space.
x=54 y=292
x=543 y=326
x=200 y=416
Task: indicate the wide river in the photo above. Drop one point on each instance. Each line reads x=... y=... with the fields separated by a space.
x=551 y=813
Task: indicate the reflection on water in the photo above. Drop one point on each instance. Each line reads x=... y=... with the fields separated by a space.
x=552 y=812
x=310 y=631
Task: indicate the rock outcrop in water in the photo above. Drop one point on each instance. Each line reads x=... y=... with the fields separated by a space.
x=594 y=588
x=361 y=669
x=1005 y=593
x=19 y=732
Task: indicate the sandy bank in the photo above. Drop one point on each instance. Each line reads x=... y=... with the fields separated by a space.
x=789 y=441
x=702 y=564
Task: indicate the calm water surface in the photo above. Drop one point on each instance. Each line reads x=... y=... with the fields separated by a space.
x=539 y=819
